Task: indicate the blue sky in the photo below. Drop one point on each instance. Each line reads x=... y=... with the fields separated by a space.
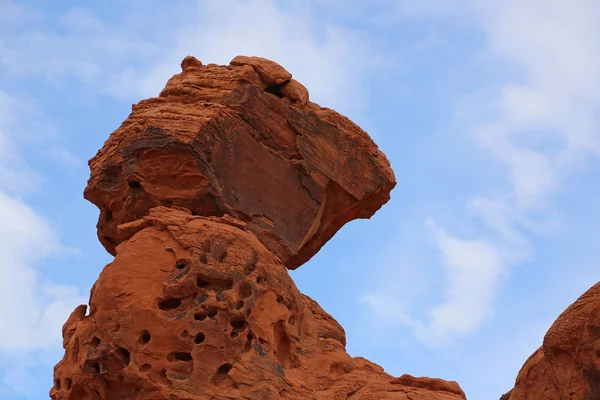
x=487 y=110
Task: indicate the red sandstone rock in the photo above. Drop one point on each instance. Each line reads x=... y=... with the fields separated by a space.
x=222 y=140
x=207 y=195
x=429 y=383
x=567 y=365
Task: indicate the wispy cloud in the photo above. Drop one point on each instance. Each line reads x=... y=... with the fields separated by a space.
x=33 y=308
x=541 y=122
x=330 y=59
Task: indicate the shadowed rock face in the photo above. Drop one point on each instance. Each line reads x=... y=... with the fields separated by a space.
x=208 y=194
x=241 y=140
x=567 y=365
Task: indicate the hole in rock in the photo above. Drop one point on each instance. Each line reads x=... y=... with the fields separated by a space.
x=180 y=356
x=238 y=323
x=224 y=369
x=212 y=312
x=180 y=265
x=111 y=172
x=262 y=341
x=202 y=283
x=214 y=283
x=234 y=334
x=223 y=256
x=108 y=215
x=68 y=383
x=248 y=344
x=124 y=354
x=185 y=333
x=199 y=338
x=91 y=366
x=144 y=369
x=57 y=384
x=169 y=304
x=280 y=299
x=222 y=378
x=282 y=345
x=135 y=185
x=239 y=305
x=259 y=280
x=274 y=89
x=145 y=337
x=95 y=342
x=199 y=316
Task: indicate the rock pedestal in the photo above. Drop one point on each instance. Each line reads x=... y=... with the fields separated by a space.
x=208 y=194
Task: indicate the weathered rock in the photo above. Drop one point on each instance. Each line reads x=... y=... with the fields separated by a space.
x=270 y=72
x=567 y=365
x=222 y=140
x=207 y=195
x=197 y=307
x=429 y=383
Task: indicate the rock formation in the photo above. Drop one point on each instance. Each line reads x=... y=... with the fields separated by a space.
x=567 y=365
x=208 y=194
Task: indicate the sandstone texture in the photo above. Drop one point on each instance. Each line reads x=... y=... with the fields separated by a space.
x=240 y=140
x=208 y=194
x=567 y=365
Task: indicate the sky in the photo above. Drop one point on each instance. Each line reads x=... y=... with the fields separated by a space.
x=489 y=112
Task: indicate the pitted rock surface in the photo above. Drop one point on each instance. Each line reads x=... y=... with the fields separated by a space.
x=208 y=195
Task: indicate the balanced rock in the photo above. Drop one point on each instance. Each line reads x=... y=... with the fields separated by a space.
x=240 y=140
x=567 y=365
x=208 y=194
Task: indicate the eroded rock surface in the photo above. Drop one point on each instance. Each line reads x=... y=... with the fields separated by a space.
x=241 y=140
x=567 y=365
x=208 y=194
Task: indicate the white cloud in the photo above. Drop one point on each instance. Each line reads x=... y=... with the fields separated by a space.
x=329 y=59
x=557 y=47
x=32 y=309
x=15 y=176
x=473 y=268
x=541 y=123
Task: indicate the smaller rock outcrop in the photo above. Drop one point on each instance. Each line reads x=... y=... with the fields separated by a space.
x=567 y=365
